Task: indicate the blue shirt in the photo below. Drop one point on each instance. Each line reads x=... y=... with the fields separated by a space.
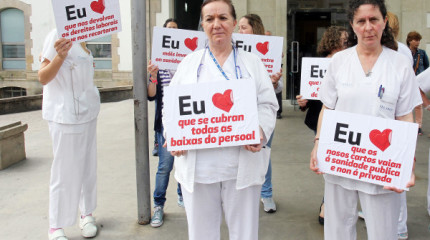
x=421 y=57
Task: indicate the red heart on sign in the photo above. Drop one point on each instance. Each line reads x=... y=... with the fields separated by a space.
x=381 y=140
x=98 y=6
x=191 y=43
x=263 y=47
x=223 y=101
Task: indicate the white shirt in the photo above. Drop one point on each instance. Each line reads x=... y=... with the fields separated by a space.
x=346 y=88
x=71 y=97
x=218 y=164
x=403 y=49
x=424 y=80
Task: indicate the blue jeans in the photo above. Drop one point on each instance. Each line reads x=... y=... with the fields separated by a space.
x=165 y=166
x=266 y=189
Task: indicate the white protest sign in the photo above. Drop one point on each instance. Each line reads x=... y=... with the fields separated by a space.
x=83 y=20
x=170 y=46
x=210 y=115
x=313 y=71
x=268 y=48
x=365 y=148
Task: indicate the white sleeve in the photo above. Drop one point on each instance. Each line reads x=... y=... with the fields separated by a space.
x=409 y=96
x=49 y=51
x=328 y=92
x=424 y=80
x=280 y=86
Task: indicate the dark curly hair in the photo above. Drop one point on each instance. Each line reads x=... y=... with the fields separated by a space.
x=387 y=36
x=330 y=41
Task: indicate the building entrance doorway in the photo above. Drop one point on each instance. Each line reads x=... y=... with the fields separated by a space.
x=304 y=31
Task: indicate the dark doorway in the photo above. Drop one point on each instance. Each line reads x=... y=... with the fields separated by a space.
x=187 y=12
x=305 y=28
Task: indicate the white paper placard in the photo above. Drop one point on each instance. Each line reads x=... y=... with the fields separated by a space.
x=313 y=71
x=366 y=148
x=210 y=115
x=170 y=46
x=83 y=20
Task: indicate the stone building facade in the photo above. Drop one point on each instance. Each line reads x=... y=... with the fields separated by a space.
x=290 y=19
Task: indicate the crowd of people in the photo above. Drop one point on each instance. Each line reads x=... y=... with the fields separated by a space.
x=211 y=182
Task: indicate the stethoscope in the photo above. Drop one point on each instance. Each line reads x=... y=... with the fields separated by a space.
x=237 y=69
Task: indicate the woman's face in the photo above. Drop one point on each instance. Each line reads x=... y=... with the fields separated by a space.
x=218 y=22
x=244 y=26
x=368 y=24
x=171 y=25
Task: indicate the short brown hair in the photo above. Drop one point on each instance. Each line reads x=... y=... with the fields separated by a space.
x=256 y=23
x=414 y=35
x=228 y=2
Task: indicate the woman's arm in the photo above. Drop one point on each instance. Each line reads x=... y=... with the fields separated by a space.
x=152 y=87
x=48 y=70
x=314 y=161
x=406 y=118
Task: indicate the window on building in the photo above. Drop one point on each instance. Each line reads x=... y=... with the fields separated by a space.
x=102 y=52
x=12 y=39
x=8 y=92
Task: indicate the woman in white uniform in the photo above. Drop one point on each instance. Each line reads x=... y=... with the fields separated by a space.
x=351 y=84
x=225 y=179
x=252 y=24
x=423 y=80
x=71 y=104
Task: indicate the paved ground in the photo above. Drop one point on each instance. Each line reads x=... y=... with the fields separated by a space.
x=297 y=191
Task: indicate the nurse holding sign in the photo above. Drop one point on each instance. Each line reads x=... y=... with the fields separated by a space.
x=370 y=78
x=224 y=179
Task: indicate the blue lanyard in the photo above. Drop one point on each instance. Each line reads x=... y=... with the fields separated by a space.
x=217 y=64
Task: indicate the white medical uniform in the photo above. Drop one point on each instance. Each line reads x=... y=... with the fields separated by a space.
x=424 y=82
x=347 y=88
x=225 y=179
x=71 y=104
x=402 y=226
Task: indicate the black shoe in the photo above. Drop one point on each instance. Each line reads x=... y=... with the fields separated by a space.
x=278 y=116
x=420 y=132
x=321 y=219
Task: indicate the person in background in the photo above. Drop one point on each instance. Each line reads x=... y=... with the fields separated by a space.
x=334 y=39
x=371 y=61
x=225 y=181
x=71 y=103
x=421 y=63
x=252 y=24
x=158 y=80
x=424 y=82
x=393 y=22
x=278 y=90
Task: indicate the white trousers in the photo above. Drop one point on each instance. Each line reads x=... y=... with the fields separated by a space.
x=73 y=172
x=428 y=191
x=402 y=227
x=204 y=208
x=340 y=213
